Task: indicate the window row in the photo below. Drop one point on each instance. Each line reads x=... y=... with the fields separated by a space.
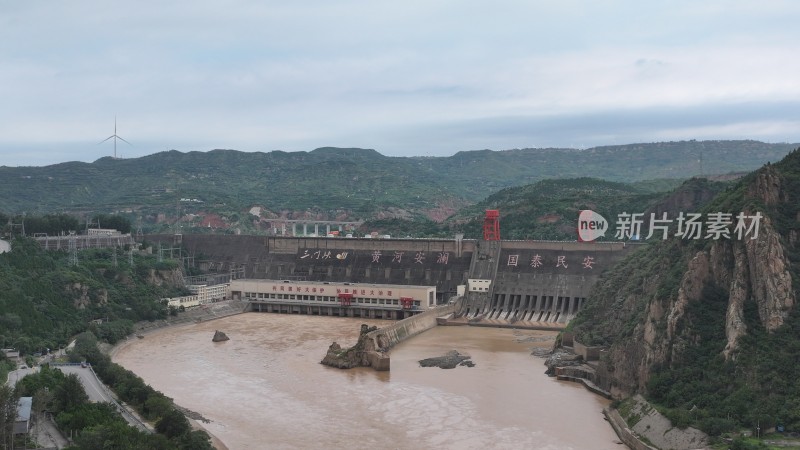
x=322 y=298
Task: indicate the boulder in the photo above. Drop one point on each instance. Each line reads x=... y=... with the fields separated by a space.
x=449 y=361
x=561 y=358
x=219 y=336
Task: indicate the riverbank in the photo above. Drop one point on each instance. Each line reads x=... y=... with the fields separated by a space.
x=271 y=366
x=186 y=319
x=204 y=313
x=194 y=421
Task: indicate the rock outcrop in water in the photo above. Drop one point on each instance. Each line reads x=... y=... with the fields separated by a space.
x=354 y=356
x=219 y=336
x=449 y=361
x=561 y=358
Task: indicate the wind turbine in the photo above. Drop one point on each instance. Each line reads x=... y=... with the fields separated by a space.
x=115 y=138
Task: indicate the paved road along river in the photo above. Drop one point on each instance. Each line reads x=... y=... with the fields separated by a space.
x=265 y=388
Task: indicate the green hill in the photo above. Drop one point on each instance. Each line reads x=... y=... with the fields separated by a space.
x=548 y=209
x=709 y=329
x=44 y=301
x=345 y=184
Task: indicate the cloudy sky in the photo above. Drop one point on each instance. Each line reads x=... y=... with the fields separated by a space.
x=404 y=77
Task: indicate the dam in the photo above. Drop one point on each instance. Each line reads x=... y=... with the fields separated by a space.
x=502 y=282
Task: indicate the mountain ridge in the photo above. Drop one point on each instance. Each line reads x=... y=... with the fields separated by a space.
x=343 y=183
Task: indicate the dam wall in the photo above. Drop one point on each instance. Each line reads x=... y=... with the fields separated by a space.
x=422 y=262
x=378 y=342
x=387 y=337
x=543 y=282
x=521 y=283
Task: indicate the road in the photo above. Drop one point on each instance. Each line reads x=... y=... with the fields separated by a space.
x=98 y=392
x=94 y=389
x=16 y=375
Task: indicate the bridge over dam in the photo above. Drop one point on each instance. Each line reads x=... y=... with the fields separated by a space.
x=519 y=283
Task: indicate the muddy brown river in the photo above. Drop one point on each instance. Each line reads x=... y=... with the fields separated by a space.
x=265 y=388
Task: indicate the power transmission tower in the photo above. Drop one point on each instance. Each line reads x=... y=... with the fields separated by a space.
x=92 y=223
x=115 y=256
x=130 y=258
x=21 y=225
x=73 y=249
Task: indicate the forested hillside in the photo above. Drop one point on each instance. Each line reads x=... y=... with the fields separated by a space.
x=709 y=329
x=44 y=301
x=219 y=189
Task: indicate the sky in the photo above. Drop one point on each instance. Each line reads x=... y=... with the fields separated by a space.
x=410 y=78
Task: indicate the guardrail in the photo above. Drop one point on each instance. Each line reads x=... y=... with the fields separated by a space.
x=123 y=410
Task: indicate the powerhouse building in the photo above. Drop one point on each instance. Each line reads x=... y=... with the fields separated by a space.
x=380 y=301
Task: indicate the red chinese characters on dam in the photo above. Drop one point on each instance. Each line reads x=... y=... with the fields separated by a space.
x=322 y=290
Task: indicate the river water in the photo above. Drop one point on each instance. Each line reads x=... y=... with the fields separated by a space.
x=265 y=388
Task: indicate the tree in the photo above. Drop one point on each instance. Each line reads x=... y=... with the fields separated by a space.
x=8 y=414
x=42 y=400
x=70 y=394
x=156 y=406
x=119 y=436
x=195 y=440
x=118 y=223
x=173 y=424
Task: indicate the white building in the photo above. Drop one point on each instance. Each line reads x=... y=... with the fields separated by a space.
x=201 y=294
x=209 y=293
x=102 y=232
x=385 y=301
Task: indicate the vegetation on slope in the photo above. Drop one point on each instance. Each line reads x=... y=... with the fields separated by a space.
x=44 y=301
x=640 y=309
x=342 y=184
x=100 y=425
x=545 y=210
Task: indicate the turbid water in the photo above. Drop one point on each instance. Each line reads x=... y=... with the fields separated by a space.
x=265 y=388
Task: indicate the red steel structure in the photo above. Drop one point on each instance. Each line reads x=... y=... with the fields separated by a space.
x=491 y=225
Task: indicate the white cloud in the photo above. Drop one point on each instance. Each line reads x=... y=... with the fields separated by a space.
x=401 y=77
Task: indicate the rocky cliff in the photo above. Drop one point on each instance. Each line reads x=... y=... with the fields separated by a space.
x=689 y=304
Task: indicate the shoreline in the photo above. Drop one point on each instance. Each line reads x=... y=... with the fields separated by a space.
x=216 y=442
x=197 y=424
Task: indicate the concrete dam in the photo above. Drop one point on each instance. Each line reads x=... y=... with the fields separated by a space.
x=524 y=283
